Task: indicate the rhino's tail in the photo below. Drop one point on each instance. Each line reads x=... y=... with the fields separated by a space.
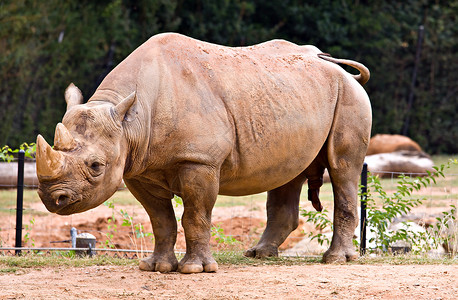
x=364 y=73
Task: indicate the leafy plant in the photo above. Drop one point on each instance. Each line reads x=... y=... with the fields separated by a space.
x=7 y=153
x=398 y=204
x=322 y=222
x=222 y=238
x=112 y=227
x=445 y=232
x=401 y=202
x=28 y=229
x=178 y=202
x=138 y=231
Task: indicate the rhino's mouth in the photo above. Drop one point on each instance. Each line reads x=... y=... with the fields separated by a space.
x=60 y=201
x=69 y=208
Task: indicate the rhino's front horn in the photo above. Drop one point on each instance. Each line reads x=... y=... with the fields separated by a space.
x=49 y=161
x=63 y=140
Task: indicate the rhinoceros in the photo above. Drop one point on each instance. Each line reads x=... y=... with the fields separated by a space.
x=185 y=117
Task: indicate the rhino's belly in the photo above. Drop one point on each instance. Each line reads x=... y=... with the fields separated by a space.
x=266 y=165
x=263 y=179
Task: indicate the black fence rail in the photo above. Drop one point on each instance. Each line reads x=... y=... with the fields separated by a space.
x=19 y=199
x=362 y=227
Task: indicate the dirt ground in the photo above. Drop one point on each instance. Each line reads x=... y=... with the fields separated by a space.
x=313 y=281
x=316 y=281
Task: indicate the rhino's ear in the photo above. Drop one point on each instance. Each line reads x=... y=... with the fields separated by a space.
x=126 y=110
x=73 y=96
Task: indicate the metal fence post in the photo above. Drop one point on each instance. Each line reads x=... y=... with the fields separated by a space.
x=363 y=209
x=73 y=234
x=19 y=200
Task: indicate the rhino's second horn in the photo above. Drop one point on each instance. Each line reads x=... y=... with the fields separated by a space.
x=63 y=140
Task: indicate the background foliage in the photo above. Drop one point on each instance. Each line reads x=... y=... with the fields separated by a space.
x=45 y=45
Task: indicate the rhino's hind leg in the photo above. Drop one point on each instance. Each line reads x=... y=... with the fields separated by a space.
x=346 y=149
x=345 y=164
x=282 y=218
x=162 y=216
x=344 y=185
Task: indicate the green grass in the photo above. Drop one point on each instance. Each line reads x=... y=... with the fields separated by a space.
x=230 y=201
x=407 y=259
x=237 y=258
x=56 y=260
x=8 y=198
x=11 y=264
x=8 y=270
x=125 y=198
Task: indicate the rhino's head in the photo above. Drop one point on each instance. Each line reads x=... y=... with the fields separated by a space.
x=87 y=163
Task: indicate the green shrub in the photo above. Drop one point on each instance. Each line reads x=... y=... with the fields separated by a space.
x=401 y=202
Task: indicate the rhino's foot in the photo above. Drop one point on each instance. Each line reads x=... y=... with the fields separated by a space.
x=159 y=264
x=260 y=251
x=197 y=264
x=339 y=256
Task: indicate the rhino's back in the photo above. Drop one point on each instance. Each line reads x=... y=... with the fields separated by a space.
x=184 y=57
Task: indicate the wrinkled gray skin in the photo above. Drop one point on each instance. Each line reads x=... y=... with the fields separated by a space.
x=185 y=117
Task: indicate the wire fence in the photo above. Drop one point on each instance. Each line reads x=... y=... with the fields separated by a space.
x=124 y=230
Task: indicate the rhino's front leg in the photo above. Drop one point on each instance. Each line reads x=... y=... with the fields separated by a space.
x=198 y=185
x=158 y=205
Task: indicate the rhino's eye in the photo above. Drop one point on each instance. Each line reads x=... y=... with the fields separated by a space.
x=95 y=167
